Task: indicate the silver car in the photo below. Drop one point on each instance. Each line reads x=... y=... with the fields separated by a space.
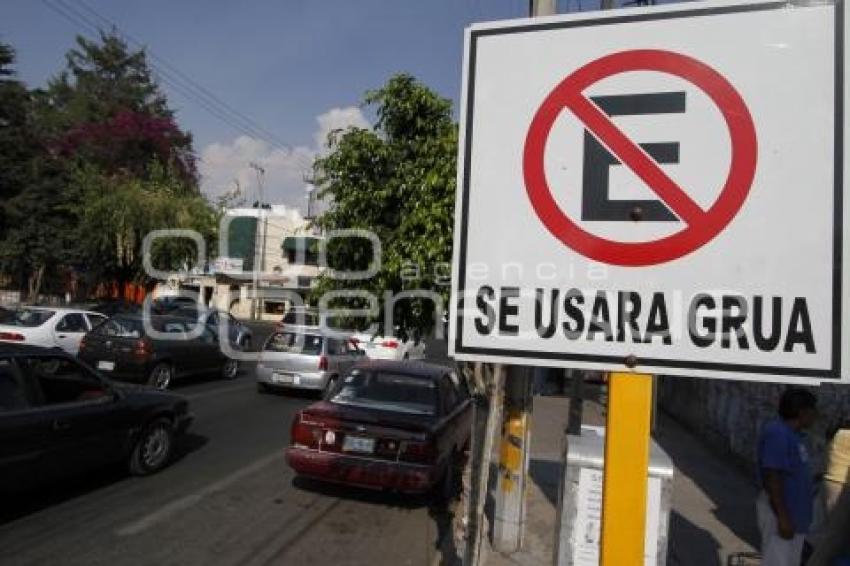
x=305 y=359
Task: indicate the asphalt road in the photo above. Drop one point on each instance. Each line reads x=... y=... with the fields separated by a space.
x=229 y=498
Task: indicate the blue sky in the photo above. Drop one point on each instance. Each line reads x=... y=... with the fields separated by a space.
x=296 y=67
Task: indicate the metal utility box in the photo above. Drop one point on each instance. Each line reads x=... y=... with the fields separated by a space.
x=578 y=526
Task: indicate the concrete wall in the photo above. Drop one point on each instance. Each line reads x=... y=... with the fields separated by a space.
x=729 y=414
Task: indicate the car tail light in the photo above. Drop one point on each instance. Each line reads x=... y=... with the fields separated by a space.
x=390 y=343
x=323 y=363
x=143 y=348
x=304 y=435
x=13 y=336
x=82 y=343
x=419 y=452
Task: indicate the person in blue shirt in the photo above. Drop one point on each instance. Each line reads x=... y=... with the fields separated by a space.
x=785 y=505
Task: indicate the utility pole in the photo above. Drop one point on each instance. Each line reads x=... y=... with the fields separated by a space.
x=512 y=486
x=259 y=241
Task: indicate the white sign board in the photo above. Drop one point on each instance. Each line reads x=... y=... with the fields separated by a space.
x=587 y=532
x=656 y=190
x=227 y=265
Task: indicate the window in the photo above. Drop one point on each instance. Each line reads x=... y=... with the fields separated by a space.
x=301 y=318
x=12 y=396
x=30 y=318
x=460 y=386
x=448 y=395
x=63 y=380
x=351 y=348
x=335 y=347
x=96 y=320
x=388 y=391
x=295 y=343
x=121 y=328
x=72 y=322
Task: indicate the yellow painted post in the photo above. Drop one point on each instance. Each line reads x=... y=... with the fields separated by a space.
x=627 y=440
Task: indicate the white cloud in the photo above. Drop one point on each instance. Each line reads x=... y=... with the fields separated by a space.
x=338 y=119
x=223 y=165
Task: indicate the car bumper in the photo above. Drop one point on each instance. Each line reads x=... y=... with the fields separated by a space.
x=128 y=371
x=361 y=472
x=292 y=380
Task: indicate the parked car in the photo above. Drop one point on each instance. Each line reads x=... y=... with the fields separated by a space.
x=170 y=303
x=60 y=328
x=125 y=350
x=239 y=334
x=58 y=416
x=305 y=359
x=111 y=307
x=400 y=426
x=405 y=346
x=300 y=317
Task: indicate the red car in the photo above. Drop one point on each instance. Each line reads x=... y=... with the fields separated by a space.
x=393 y=425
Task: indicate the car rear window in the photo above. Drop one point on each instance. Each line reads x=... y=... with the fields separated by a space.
x=121 y=328
x=30 y=318
x=295 y=343
x=387 y=391
x=302 y=318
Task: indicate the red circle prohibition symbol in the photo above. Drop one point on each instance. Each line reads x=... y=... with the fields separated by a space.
x=702 y=225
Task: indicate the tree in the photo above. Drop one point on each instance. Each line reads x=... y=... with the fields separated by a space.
x=116 y=212
x=89 y=165
x=397 y=181
x=16 y=137
x=107 y=109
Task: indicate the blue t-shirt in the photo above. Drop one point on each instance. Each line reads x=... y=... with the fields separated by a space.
x=781 y=449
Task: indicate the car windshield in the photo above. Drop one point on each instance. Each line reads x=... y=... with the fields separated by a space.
x=295 y=343
x=387 y=391
x=30 y=318
x=121 y=328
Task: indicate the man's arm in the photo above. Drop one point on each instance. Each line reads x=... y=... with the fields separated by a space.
x=774 y=486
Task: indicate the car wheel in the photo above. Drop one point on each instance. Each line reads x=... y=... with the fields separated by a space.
x=153 y=449
x=230 y=369
x=161 y=375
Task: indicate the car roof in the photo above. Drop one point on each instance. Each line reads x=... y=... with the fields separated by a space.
x=406 y=367
x=139 y=316
x=58 y=310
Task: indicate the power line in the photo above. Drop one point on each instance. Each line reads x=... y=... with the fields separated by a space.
x=181 y=82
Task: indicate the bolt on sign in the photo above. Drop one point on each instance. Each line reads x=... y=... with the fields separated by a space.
x=657 y=190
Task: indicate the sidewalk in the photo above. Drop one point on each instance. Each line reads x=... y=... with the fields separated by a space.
x=713 y=514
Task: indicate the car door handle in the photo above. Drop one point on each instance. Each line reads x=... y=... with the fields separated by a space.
x=60 y=425
x=61 y=336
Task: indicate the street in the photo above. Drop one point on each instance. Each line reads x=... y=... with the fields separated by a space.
x=228 y=498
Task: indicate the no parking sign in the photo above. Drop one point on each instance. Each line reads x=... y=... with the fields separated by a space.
x=658 y=190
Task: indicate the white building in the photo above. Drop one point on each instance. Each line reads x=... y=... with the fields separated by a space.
x=279 y=241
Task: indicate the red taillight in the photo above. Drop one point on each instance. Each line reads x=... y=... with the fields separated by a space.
x=323 y=363
x=82 y=343
x=304 y=435
x=13 y=336
x=419 y=452
x=143 y=348
x=390 y=343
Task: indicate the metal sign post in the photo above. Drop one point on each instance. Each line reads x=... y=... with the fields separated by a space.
x=627 y=438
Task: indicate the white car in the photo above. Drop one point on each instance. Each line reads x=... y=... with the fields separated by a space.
x=390 y=347
x=49 y=327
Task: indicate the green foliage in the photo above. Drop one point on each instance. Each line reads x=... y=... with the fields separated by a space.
x=116 y=212
x=399 y=182
x=88 y=166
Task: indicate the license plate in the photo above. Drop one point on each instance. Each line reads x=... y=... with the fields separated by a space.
x=358 y=444
x=105 y=366
x=284 y=378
